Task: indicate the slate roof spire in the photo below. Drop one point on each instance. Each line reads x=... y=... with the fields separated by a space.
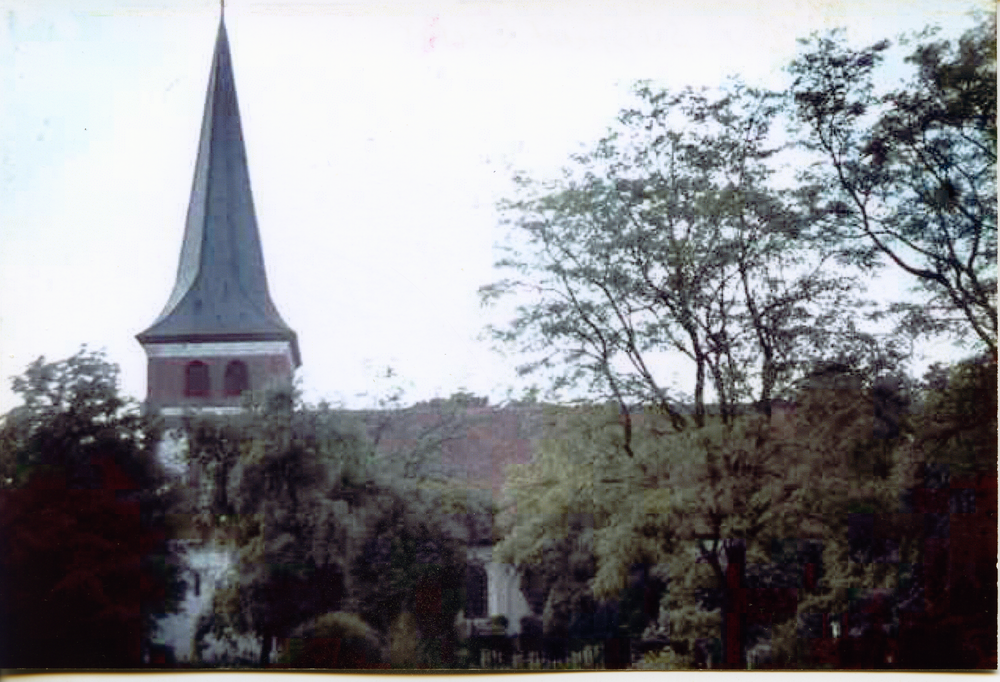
x=221 y=290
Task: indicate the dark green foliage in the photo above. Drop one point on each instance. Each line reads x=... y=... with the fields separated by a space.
x=958 y=422
x=857 y=415
x=82 y=554
x=319 y=529
x=72 y=413
x=213 y=449
x=291 y=486
x=410 y=564
x=773 y=524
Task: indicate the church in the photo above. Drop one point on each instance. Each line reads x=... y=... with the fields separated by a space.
x=220 y=335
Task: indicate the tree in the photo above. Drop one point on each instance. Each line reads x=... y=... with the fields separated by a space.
x=322 y=527
x=411 y=569
x=72 y=413
x=559 y=505
x=763 y=262
x=752 y=527
x=958 y=422
x=422 y=516
x=551 y=536
x=292 y=487
x=671 y=235
x=912 y=171
x=950 y=619
x=82 y=552
x=213 y=448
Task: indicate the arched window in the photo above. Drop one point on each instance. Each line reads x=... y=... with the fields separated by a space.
x=475 y=592
x=237 y=378
x=196 y=381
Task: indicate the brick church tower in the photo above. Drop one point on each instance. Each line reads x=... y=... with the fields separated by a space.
x=220 y=333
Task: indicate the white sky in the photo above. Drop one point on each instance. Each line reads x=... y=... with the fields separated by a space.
x=379 y=138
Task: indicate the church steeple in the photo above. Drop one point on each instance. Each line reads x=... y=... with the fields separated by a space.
x=220 y=303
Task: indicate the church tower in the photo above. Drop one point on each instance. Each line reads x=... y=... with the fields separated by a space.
x=220 y=333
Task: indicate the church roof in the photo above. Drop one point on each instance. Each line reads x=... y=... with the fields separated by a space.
x=472 y=446
x=221 y=290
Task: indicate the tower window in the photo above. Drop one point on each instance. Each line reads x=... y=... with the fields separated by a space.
x=237 y=378
x=196 y=381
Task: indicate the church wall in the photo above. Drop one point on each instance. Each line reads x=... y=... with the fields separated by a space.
x=505 y=596
x=503 y=589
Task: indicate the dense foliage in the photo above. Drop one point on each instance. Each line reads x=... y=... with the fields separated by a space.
x=318 y=529
x=82 y=555
x=759 y=528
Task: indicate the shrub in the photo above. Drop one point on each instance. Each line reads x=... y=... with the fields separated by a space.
x=403 y=642
x=335 y=640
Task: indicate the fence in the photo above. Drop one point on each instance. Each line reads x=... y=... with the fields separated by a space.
x=612 y=654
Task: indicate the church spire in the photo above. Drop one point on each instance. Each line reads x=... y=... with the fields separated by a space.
x=221 y=292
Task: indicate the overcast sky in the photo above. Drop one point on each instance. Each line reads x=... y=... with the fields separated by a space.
x=379 y=137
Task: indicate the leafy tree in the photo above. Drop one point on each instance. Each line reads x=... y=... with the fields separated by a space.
x=291 y=490
x=411 y=568
x=322 y=526
x=560 y=504
x=748 y=525
x=72 y=413
x=958 y=422
x=421 y=518
x=82 y=554
x=948 y=615
x=213 y=448
x=912 y=172
x=672 y=235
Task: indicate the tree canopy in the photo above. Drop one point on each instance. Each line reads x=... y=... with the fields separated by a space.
x=684 y=230
x=323 y=534
x=675 y=235
x=82 y=554
x=911 y=172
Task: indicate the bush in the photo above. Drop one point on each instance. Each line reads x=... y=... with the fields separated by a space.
x=403 y=642
x=664 y=659
x=335 y=640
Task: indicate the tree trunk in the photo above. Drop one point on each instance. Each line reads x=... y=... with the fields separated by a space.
x=726 y=408
x=265 y=650
x=699 y=389
x=768 y=378
x=733 y=611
